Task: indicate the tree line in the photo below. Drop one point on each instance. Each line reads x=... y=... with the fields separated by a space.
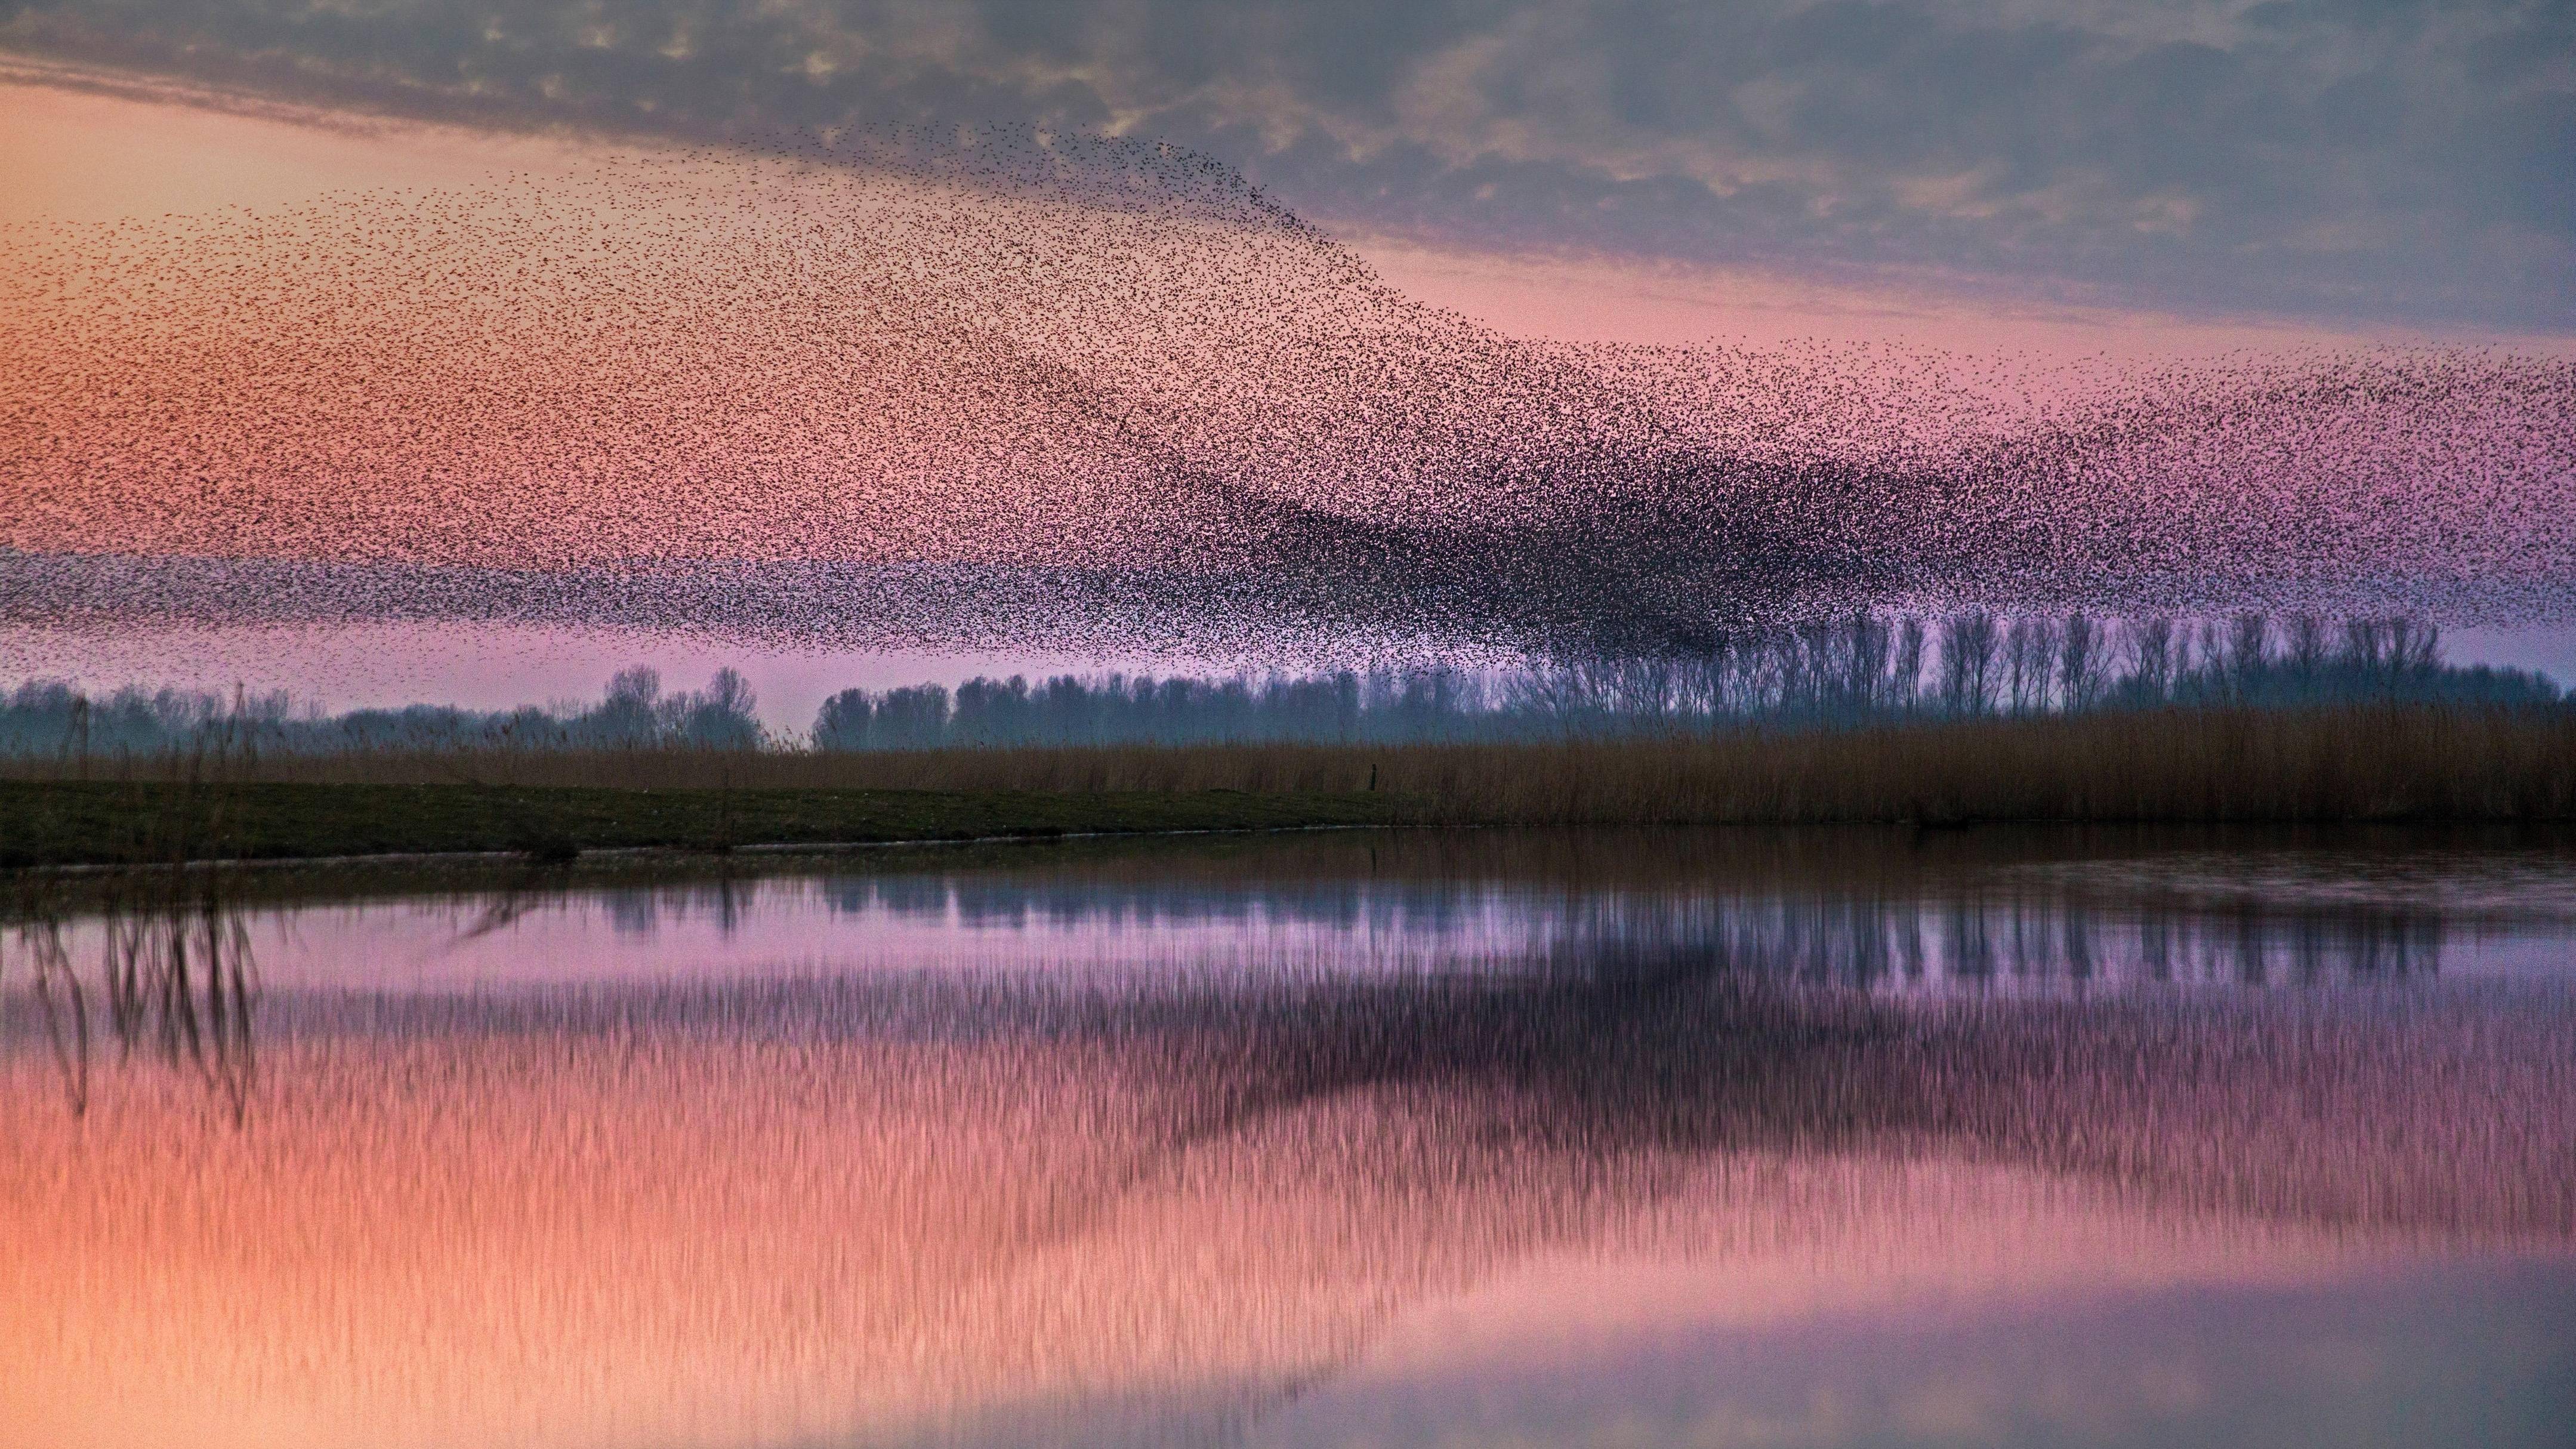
x=54 y=717
x=1860 y=669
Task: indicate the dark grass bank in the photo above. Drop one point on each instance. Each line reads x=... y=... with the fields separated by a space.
x=2396 y=764
x=47 y=823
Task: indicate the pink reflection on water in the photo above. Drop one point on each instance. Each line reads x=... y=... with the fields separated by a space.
x=1154 y=1149
x=2185 y=921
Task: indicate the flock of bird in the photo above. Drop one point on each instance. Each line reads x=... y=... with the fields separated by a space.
x=1017 y=389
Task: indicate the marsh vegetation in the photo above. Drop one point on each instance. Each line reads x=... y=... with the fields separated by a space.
x=1970 y=718
x=2389 y=763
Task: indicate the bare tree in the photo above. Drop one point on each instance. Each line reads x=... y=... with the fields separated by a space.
x=1968 y=673
x=1905 y=670
x=2150 y=647
x=2030 y=663
x=2365 y=646
x=2080 y=662
x=2249 y=651
x=2413 y=647
x=2307 y=647
x=1865 y=658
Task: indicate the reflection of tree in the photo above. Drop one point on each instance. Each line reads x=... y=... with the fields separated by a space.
x=1974 y=942
x=1880 y=934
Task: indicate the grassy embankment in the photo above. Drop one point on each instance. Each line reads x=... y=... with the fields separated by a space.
x=72 y=822
x=2396 y=763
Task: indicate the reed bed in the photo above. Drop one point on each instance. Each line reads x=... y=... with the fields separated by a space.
x=2401 y=763
x=2396 y=761
x=2389 y=763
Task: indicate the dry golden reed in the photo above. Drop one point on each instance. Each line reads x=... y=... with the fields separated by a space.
x=2380 y=762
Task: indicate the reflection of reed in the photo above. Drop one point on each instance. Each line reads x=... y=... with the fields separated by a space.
x=176 y=968
x=41 y=942
x=176 y=976
x=2357 y=762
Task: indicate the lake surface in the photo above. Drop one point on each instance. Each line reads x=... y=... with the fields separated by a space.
x=1832 y=1138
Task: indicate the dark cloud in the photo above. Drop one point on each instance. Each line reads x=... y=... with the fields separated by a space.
x=2329 y=158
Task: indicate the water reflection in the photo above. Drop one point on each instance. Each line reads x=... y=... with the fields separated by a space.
x=1192 y=1146
x=2064 y=915
x=173 y=971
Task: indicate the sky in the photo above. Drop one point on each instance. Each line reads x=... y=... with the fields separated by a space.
x=2355 y=164
x=2361 y=164
x=2054 y=182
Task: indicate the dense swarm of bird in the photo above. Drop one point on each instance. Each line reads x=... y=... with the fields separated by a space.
x=1001 y=388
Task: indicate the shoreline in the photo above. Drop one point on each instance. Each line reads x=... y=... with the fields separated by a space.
x=57 y=827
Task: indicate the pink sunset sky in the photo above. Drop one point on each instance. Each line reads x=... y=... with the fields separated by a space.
x=1542 y=203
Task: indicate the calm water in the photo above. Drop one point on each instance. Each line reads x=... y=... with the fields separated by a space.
x=1831 y=1139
